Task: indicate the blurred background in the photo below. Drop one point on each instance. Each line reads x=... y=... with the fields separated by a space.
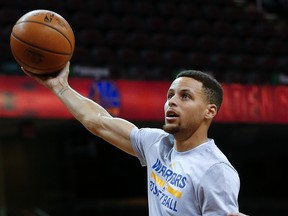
x=50 y=165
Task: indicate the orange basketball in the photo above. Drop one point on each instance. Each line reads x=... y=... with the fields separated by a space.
x=42 y=41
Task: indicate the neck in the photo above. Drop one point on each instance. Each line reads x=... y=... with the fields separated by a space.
x=188 y=142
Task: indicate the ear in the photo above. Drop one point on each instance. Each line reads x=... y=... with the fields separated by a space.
x=211 y=111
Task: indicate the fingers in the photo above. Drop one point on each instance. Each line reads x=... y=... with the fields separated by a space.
x=67 y=65
x=26 y=72
x=49 y=79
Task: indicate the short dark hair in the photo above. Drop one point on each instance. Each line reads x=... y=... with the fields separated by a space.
x=211 y=87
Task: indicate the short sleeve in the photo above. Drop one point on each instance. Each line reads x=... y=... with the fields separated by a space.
x=143 y=140
x=135 y=137
x=218 y=190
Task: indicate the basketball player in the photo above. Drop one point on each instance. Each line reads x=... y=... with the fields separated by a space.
x=187 y=172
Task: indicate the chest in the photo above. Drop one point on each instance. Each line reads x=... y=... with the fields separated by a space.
x=171 y=187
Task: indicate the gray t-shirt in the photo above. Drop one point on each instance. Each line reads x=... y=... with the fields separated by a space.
x=200 y=181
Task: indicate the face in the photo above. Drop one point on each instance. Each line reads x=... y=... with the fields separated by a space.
x=185 y=107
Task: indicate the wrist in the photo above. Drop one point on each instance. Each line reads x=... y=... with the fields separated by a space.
x=60 y=88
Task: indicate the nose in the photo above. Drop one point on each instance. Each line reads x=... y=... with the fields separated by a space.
x=172 y=101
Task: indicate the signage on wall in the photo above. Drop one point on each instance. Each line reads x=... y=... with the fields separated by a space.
x=22 y=97
x=106 y=94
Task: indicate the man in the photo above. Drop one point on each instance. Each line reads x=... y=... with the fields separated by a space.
x=187 y=173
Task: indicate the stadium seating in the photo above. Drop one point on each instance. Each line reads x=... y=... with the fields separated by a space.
x=164 y=34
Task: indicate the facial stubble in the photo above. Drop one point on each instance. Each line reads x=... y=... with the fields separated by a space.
x=172 y=129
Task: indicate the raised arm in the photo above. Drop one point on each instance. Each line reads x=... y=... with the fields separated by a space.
x=93 y=116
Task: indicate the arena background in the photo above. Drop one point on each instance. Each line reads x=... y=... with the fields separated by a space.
x=50 y=165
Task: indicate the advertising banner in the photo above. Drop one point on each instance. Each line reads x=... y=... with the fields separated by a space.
x=22 y=97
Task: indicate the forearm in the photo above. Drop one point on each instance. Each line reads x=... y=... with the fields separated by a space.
x=91 y=115
x=82 y=108
x=95 y=118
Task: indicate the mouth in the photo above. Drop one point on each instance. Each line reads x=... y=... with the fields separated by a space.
x=171 y=115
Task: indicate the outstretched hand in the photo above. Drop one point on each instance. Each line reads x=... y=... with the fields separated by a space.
x=51 y=81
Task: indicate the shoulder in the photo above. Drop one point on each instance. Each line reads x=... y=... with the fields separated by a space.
x=148 y=133
x=209 y=160
x=218 y=166
x=215 y=155
x=148 y=142
x=147 y=138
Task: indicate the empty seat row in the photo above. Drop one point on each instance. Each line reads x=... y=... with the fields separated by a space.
x=128 y=57
x=181 y=42
x=164 y=33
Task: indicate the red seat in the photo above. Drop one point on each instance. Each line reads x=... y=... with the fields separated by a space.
x=244 y=62
x=176 y=25
x=254 y=45
x=207 y=44
x=174 y=59
x=145 y=8
x=243 y=29
x=127 y=56
x=103 y=56
x=267 y=63
x=189 y=10
x=116 y=39
x=222 y=28
x=198 y=60
x=5 y=34
x=280 y=31
x=234 y=14
x=131 y=23
x=9 y=16
x=282 y=63
x=167 y=9
x=264 y=30
x=275 y=47
x=123 y=7
x=230 y=45
x=107 y=22
x=100 y=6
x=221 y=61
x=253 y=14
x=81 y=55
x=91 y=38
x=75 y=6
x=83 y=20
x=155 y=24
x=151 y=58
x=212 y=12
x=162 y=41
x=199 y=27
x=139 y=40
x=185 y=42
x=6 y=54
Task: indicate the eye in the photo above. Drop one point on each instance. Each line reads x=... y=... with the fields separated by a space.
x=186 y=96
x=170 y=95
